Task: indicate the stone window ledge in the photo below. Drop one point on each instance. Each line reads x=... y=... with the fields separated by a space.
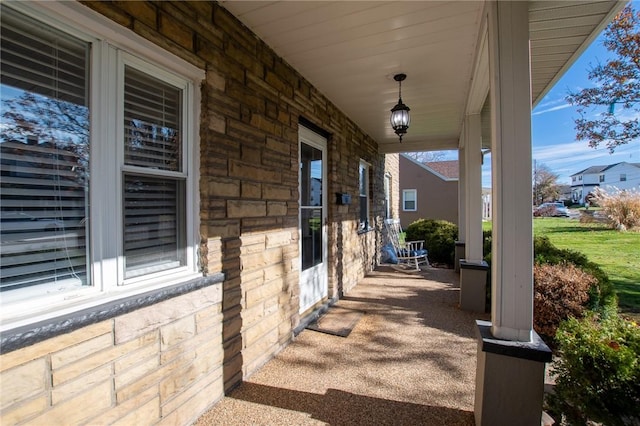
x=34 y=333
x=364 y=231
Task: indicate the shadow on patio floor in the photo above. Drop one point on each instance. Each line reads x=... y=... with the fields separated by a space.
x=411 y=359
x=336 y=407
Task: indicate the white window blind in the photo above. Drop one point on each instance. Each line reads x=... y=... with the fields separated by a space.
x=409 y=198
x=154 y=205
x=152 y=113
x=98 y=148
x=44 y=155
x=364 y=194
x=153 y=224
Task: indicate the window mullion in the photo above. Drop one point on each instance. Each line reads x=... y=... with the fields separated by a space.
x=106 y=181
x=191 y=159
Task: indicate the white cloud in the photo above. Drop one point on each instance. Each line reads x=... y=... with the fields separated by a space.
x=627 y=114
x=571 y=157
x=555 y=108
x=486 y=177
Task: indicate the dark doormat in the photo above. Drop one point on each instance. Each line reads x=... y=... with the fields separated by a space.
x=337 y=321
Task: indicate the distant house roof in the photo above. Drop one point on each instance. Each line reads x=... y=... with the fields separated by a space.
x=449 y=169
x=590 y=170
x=599 y=169
x=437 y=168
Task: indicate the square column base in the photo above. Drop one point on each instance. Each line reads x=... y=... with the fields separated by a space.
x=473 y=285
x=509 y=380
x=458 y=254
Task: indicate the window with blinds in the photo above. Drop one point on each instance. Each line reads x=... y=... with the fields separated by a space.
x=364 y=195
x=154 y=204
x=136 y=226
x=44 y=155
x=409 y=200
x=152 y=115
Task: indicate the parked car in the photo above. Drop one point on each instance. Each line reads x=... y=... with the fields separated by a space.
x=551 y=209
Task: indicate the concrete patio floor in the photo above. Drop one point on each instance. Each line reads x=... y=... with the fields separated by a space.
x=411 y=359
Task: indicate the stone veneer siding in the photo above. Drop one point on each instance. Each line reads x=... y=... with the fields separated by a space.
x=392 y=167
x=153 y=364
x=168 y=362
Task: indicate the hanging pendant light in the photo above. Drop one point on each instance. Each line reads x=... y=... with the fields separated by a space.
x=400 y=118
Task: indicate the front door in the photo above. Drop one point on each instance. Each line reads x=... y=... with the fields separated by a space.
x=313 y=215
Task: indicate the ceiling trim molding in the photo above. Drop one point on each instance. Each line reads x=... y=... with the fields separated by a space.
x=616 y=7
x=426 y=145
x=480 y=80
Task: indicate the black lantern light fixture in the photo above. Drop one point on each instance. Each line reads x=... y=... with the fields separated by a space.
x=400 y=118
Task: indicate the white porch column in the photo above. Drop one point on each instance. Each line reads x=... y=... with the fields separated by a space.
x=473 y=188
x=473 y=270
x=511 y=356
x=512 y=250
x=460 y=248
x=462 y=183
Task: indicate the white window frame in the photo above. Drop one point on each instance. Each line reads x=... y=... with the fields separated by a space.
x=404 y=200
x=623 y=177
x=363 y=226
x=113 y=46
x=601 y=178
x=387 y=195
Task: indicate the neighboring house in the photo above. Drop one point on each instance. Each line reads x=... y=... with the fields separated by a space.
x=621 y=175
x=564 y=193
x=428 y=191
x=486 y=204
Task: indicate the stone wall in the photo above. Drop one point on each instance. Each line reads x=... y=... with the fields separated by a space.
x=252 y=106
x=162 y=362
x=392 y=166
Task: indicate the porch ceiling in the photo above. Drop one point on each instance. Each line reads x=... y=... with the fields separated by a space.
x=350 y=51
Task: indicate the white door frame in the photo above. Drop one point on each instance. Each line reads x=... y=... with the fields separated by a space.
x=313 y=280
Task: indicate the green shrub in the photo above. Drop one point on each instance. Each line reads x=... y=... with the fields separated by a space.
x=598 y=371
x=486 y=245
x=439 y=238
x=560 y=292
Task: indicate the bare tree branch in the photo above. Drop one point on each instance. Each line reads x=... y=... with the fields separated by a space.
x=617 y=86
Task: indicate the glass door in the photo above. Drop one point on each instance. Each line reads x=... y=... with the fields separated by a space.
x=313 y=236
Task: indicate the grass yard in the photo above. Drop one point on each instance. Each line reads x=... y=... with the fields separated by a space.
x=617 y=253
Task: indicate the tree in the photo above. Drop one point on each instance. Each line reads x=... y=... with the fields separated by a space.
x=545 y=184
x=58 y=128
x=426 y=156
x=617 y=85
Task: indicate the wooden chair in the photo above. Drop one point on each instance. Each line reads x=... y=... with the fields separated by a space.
x=411 y=253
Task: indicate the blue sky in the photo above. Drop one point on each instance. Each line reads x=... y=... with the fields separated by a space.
x=553 y=131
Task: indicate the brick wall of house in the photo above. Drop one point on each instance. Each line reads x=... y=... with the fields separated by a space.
x=252 y=104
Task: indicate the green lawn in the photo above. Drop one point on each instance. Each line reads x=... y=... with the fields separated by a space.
x=617 y=253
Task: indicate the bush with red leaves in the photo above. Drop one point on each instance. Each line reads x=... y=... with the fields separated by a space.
x=561 y=292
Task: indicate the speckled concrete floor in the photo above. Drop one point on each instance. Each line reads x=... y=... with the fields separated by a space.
x=410 y=360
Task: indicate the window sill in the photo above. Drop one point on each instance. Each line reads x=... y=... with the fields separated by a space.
x=364 y=231
x=30 y=334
